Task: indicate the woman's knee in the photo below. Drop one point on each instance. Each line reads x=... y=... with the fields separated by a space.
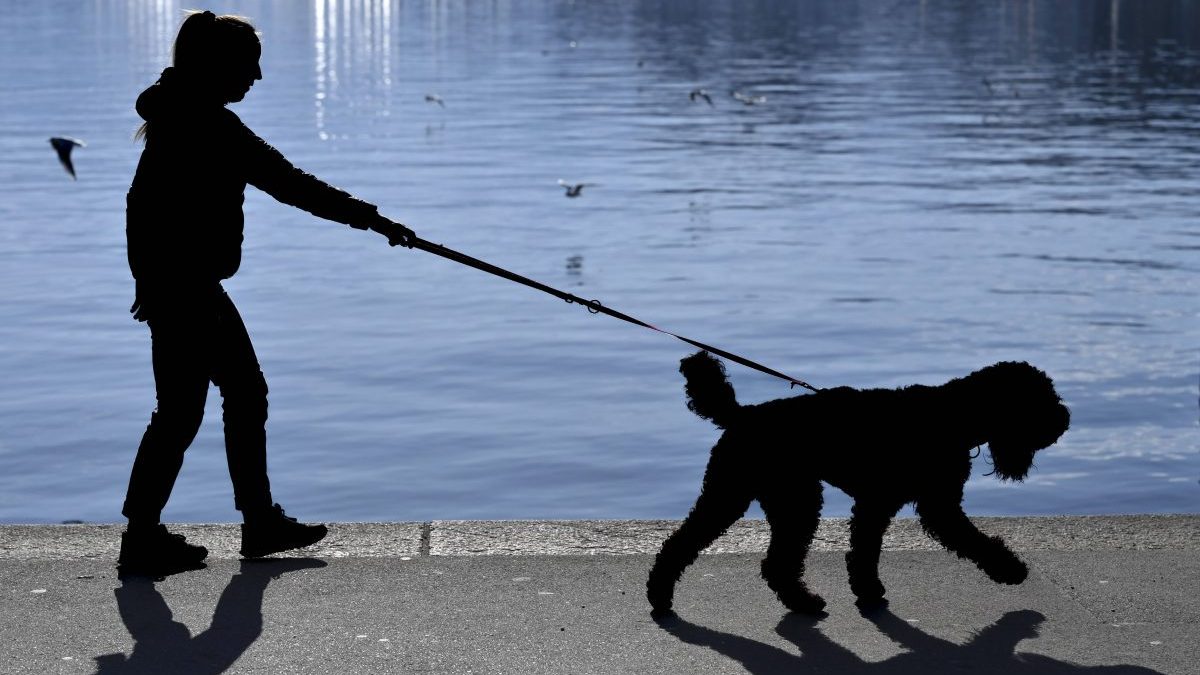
x=247 y=395
x=177 y=419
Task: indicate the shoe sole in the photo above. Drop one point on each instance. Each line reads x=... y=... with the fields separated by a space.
x=260 y=552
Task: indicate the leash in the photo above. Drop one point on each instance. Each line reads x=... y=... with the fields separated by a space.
x=592 y=306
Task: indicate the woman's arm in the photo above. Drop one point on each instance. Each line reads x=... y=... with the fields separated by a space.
x=268 y=170
x=271 y=172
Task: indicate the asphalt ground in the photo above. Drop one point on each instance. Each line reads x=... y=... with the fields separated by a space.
x=1105 y=595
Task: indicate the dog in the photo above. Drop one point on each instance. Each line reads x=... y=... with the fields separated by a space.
x=883 y=447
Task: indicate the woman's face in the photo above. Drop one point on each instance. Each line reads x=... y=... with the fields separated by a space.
x=243 y=71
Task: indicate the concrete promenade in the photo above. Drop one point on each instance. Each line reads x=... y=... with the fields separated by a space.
x=1105 y=595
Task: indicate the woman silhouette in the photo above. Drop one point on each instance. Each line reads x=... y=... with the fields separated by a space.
x=184 y=230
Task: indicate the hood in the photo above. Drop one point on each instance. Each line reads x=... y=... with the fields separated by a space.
x=172 y=95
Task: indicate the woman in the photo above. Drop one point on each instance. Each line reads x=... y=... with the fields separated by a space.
x=184 y=229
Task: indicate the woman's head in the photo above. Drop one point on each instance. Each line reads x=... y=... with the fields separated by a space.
x=219 y=53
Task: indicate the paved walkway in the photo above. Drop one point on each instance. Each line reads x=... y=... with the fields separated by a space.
x=1106 y=595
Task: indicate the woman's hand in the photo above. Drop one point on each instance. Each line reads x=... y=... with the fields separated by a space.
x=397 y=234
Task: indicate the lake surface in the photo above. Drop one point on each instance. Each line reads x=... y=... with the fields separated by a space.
x=927 y=188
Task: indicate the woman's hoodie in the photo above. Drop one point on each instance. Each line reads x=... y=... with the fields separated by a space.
x=184 y=209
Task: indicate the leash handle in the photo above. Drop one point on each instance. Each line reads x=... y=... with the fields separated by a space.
x=593 y=306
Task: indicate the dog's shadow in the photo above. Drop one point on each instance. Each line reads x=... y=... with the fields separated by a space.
x=991 y=651
x=162 y=645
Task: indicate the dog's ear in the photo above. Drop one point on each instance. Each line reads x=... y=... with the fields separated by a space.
x=1023 y=414
x=1010 y=462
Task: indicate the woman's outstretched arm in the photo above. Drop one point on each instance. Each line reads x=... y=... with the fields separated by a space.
x=268 y=170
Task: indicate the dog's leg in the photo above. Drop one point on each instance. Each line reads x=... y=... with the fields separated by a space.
x=868 y=522
x=946 y=522
x=793 y=513
x=723 y=499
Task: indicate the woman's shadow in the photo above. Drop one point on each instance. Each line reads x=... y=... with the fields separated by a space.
x=161 y=644
x=990 y=651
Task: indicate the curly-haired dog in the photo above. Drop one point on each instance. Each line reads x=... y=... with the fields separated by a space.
x=883 y=447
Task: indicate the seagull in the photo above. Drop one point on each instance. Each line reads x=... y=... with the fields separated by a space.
x=700 y=93
x=63 y=145
x=434 y=98
x=748 y=100
x=574 y=189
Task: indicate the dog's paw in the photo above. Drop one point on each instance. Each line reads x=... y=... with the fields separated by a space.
x=803 y=602
x=663 y=616
x=867 y=605
x=868 y=593
x=867 y=589
x=1010 y=572
x=660 y=596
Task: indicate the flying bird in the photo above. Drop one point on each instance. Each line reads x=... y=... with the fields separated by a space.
x=573 y=189
x=434 y=98
x=748 y=100
x=700 y=93
x=63 y=145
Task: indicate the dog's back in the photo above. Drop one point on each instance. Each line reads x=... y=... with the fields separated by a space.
x=828 y=417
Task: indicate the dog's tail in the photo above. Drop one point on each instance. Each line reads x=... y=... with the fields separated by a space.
x=708 y=390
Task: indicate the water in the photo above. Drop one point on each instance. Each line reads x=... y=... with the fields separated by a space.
x=929 y=187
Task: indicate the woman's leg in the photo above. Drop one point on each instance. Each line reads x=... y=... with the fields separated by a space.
x=267 y=529
x=237 y=373
x=180 y=347
x=179 y=356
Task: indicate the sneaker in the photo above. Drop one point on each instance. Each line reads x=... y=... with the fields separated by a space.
x=274 y=531
x=155 y=552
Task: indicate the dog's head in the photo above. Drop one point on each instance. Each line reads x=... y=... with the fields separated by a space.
x=1021 y=414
